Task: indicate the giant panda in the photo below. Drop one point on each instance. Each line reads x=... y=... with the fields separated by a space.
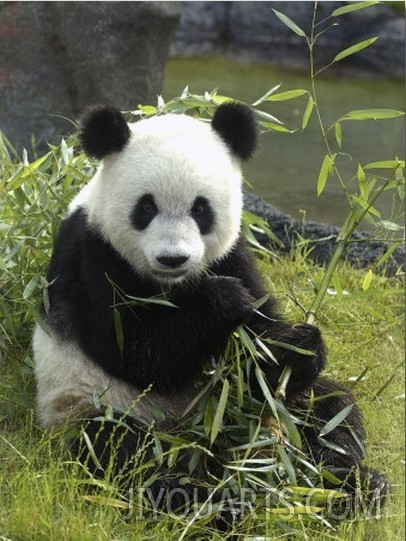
x=161 y=218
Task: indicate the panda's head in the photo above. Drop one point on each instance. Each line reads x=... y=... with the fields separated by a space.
x=167 y=195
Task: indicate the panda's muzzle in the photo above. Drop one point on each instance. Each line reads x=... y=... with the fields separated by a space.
x=171 y=268
x=172 y=261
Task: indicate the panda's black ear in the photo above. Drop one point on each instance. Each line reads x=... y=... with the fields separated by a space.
x=236 y=125
x=103 y=130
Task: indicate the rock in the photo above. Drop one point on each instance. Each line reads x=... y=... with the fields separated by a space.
x=251 y=31
x=59 y=57
x=363 y=252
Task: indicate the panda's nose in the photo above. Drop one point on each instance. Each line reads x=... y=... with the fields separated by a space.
x=172 y=261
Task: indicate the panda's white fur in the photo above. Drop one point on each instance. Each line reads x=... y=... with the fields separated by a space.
x=175 y=158
x=71 y=386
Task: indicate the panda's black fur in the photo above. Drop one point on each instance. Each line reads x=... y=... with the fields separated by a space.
x=167 y=347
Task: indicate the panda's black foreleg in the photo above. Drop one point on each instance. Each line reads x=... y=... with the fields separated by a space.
x=306 y=365
x=267 y=322
x=340 y=451
x=299 y=346
x=168 y=347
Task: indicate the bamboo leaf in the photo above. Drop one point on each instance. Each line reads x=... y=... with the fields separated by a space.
x=32 y=167
x=307 y=113
x=288 y=95
x=266 y=117
x=362 y=183
x=258 y=444
x=387 y=164
x=352 y=7
x=367 y=280
x=325 y=170
x=390 y=226
x=295 y=510
x=319 y=494
x=359 y=204
x=289 y=23
x=64 y=152
x=336 y=420
x=338 y=134
x=372 y=114
x=388 y=253
x=151 y=300
x=331 y=445
x=266 y=391
x=91 y=450
x=354 y=49
x=276 y=127
x=209 y=415
x=257 y=304
x=158 y=450
x=291 y=347
x=218 y=417
x=30 y=288
x=240 y=383
x=337 y=286
x=291 y=429
x=147 y=109
x=247 y=341
x=110 y=502
x=266 y=95
x=331 y=478
x=118 y=329
x=267 y=351
x=290 y=470
x=195 y=459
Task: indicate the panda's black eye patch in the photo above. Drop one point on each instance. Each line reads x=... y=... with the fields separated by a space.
x=144 y=212
x=203 y=215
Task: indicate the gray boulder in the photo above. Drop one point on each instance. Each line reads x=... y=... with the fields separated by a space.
x=363 y=252
x=58 y=57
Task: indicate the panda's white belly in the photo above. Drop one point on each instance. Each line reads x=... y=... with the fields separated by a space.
x=69 y=384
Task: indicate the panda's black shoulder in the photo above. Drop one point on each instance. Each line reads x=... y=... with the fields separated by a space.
x=66 y=243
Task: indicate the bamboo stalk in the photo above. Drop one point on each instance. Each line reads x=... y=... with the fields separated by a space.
x=343 y=239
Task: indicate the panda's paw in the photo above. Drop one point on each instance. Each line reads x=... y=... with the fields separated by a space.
x=229 y=299
x=304 y=351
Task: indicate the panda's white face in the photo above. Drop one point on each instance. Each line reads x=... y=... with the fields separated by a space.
x=170 y=201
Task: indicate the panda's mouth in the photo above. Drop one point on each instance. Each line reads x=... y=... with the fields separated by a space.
x=163 y=276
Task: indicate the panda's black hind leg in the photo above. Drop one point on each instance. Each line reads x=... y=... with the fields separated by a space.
x=341 y=450
x=116 y=447
x=368 y=485
x=109 y=442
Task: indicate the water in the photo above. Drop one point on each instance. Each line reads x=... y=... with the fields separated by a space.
x=285 y=169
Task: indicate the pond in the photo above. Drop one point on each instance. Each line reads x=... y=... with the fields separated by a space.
x=285 y=169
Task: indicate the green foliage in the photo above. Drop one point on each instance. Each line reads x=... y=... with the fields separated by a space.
x=45 y=496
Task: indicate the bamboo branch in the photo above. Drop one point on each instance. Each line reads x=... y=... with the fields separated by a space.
x=343 y=239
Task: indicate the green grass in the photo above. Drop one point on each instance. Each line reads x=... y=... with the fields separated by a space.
x=44 y=495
